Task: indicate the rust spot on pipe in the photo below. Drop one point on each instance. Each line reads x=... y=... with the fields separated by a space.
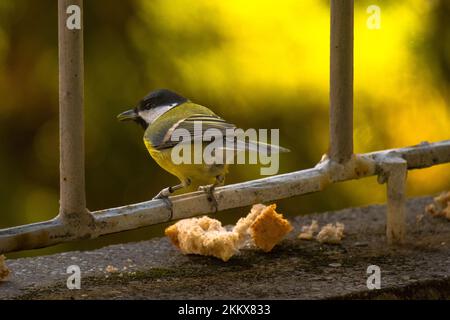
x=324 y=181
x=31 y=240
x=361 y=170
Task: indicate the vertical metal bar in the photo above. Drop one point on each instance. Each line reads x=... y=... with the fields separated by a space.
x=71 y=119
x=341 y=80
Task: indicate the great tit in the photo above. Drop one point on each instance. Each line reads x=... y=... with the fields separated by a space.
x=160 y=114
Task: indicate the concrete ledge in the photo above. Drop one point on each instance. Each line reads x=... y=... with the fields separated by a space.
x=295 y=269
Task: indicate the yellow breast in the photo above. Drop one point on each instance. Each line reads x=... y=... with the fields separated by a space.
x=198 y=174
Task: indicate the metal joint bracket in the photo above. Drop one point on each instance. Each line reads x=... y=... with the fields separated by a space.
x=79 y=223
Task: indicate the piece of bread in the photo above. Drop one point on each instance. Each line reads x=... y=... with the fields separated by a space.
x=309 y=231
x=440 y=207
x=111 y=269
x=243 y=225
x=269 y=228
x=4 y=271
x=203 y=236
x=262 y=227
x=443 y=199
x=331 y=234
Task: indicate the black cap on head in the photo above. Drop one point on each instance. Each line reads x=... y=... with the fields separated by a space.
x=160 y=97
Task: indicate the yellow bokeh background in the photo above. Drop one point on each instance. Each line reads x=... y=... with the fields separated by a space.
x=259 y=64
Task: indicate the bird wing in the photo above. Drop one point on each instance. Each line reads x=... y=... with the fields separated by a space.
x=195 y=126
x=188 y=126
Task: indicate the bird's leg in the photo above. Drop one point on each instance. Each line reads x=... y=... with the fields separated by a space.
x=209 y=190
x=166 y=192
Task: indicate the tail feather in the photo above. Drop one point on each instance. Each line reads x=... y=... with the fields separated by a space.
x=253 y=146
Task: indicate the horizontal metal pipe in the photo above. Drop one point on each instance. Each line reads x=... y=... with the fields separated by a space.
x=230 y=196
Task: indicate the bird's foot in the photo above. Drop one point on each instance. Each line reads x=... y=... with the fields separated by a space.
x=209 y=190
x=164 y=196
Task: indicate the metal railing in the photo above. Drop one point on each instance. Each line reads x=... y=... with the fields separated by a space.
x=74 y=221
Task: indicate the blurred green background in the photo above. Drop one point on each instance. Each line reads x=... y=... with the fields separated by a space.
x=258 y=64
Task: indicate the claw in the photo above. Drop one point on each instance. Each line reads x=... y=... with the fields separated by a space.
x=164 y=196
x=209 y=190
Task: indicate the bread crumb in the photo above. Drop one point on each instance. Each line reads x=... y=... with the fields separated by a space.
x=263 y=227
x=440 y=206
x=4 y=271
x=307 y=232
x=331 y=234
x=431 y=210
x=446 y=211
x=269 y=228
x=419 y=218
x=111 y=269
x=443 y=199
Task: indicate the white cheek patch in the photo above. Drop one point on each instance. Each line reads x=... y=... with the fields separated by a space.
x=152 y=114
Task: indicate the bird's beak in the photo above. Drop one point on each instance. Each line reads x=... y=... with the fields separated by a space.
x=128 y=115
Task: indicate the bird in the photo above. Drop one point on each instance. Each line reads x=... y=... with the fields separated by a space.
x=161 y=113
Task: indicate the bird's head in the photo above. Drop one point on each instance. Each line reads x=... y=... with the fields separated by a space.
x=152 y=106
